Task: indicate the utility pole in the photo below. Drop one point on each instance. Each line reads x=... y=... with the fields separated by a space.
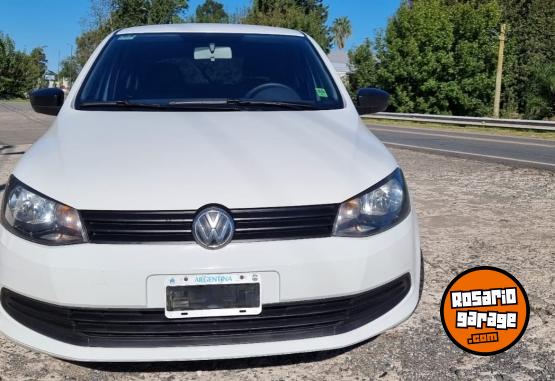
x=499 y=78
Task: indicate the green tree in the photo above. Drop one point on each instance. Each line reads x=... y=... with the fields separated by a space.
x=540 y=96
x=530 y=50
x=109 y=15
x=363 y=63
x=439 y=56
x=126 y=13
x=166 y=11
x=70 y=69
x=341 y=31
x=8 y=66
x=211 y=11
x=309 y=16
x=475 y=53
x=19 y=72
x=36 y=68
x=416 y=61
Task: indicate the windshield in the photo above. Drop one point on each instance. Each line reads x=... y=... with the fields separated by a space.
x=199 y=71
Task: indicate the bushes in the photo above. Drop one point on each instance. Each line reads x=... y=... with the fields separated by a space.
x=440 y=57
x=434 y=58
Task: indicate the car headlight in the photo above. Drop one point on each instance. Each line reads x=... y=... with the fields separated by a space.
x=375 y=210
x=35 y=217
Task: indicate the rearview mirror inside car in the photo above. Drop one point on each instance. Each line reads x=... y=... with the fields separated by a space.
x=371 y=100
x=213 y=52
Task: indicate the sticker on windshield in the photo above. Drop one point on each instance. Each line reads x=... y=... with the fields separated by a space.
x=321 y=92
x=126 y=37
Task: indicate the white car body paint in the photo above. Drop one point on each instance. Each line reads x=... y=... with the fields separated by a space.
x=181 y=161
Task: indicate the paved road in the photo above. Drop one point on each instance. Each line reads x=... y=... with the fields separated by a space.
x=527 y=152
x=19 y=124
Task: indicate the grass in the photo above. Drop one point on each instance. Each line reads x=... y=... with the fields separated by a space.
x=465 y=128
x=10 y=100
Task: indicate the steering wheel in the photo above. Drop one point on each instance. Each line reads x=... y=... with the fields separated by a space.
x=273 y=90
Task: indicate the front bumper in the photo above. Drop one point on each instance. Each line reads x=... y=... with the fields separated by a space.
x=132 y=276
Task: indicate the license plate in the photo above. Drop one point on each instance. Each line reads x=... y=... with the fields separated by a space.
x=202 y=295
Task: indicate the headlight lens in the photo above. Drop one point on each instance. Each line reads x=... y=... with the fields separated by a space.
x=38 y=218
x=375 y=210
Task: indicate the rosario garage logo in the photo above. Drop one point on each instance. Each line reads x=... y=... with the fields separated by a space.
x=485 y=310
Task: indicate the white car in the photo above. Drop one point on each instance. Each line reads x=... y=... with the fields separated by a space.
x=205 y=192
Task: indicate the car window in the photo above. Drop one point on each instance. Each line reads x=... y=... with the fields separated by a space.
x=189 y=68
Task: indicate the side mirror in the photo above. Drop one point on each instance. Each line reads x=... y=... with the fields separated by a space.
x=371 y=100
x=47 y=101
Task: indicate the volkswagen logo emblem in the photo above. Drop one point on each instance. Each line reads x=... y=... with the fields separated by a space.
x=213 y=228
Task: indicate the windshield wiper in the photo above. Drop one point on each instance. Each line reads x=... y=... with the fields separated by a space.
x=273 y=104
x=199 y=102
x=201 y=105
x=170 y=106
x=121 y=104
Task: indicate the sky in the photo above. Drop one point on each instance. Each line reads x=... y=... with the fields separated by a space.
x=54 y=24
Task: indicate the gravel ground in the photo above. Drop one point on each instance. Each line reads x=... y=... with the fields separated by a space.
x=471 y=213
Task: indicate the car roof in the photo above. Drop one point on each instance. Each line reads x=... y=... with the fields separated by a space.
x=210 y=28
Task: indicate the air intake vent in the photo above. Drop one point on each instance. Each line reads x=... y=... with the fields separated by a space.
x=175 y=226
x=120 y=327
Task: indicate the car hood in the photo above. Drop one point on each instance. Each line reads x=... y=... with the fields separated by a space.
x=124 y=160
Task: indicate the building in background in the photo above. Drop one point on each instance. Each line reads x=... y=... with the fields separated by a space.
x=340 y=61
x=50 y=78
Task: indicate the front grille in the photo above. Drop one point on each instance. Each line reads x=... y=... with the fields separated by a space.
x=150 y=327
x=250 y=224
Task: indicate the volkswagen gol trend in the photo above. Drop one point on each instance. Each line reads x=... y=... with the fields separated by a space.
x=205 y=192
